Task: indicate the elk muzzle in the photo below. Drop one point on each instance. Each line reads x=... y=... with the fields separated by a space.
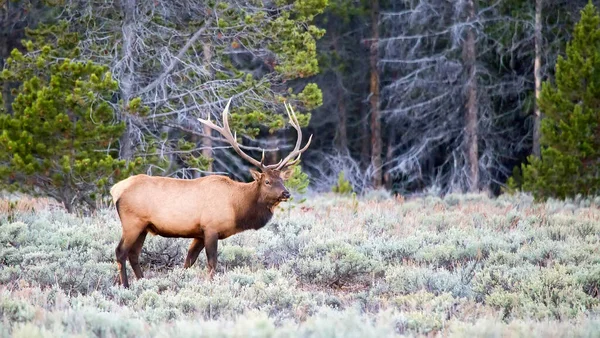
x=285 y=195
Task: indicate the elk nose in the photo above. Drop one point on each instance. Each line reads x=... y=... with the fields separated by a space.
x=285 y=195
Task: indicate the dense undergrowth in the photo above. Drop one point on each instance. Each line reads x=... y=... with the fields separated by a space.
x=460 y=266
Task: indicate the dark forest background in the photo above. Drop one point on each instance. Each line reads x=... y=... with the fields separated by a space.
x=412 y=96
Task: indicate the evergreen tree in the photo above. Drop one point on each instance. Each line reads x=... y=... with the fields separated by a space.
x=571 y=128
x=61 y=139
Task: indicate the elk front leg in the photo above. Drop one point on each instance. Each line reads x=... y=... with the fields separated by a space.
x=210 y=245
x=193 y=252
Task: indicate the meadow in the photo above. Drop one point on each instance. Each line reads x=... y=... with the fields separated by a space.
x=377 y=266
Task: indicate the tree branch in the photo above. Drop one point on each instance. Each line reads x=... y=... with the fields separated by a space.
x=177 y=59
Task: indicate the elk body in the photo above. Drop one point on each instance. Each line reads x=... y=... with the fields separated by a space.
x=206 y=209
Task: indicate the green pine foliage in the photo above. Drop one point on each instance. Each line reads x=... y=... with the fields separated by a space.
x=61 y=139
x=297 y=184
x=299 y=180
x=571 y=127
x=292 y=39
x=343 y=186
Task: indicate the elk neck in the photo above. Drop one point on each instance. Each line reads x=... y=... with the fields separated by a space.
x=252 y=211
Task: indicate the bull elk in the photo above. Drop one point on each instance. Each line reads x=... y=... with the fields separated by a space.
x=206 y=209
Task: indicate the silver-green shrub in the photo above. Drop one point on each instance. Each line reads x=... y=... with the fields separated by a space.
x=458 y=266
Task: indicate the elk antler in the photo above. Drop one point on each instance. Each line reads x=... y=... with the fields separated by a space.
x=232 y=139
x=297 y=151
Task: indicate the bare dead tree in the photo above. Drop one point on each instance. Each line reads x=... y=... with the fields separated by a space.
x=450 y=111
x=469 y=50
x=183 y=63
x=376 y=147
x=538 y=77
x=326 y=166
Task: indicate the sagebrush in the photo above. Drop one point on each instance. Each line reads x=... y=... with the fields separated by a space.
x=460 y=266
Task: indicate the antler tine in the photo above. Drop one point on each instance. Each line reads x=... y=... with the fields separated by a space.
x=273 y=166
x=296 y=153
x=210 y=124
x=226 y=119
x=231 y=139
x=270 y=166
x=294 y=161
x=292 y=115
x=297 y=159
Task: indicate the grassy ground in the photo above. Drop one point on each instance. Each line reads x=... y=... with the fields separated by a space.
x=461 y=266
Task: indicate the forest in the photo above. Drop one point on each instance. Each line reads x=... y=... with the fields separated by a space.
x=415 y=96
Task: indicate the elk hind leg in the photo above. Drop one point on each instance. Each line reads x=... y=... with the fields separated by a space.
x=195 y=248
x=134 y=255
x=128 y=239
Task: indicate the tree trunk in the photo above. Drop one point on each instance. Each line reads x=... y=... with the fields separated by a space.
x=389 y=154
x=470 y=56
x=538 y=78
x=272 y=157
x=365 y=144
x=207 y=141
x=374 y=99
x=5 y=29
x=207 y=146
x=68 y=206
x=126 y=148
x=127 y=82
x=65 y=196
x=342 y=133
x=4 y=53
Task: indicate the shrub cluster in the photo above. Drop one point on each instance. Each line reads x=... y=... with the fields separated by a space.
x=461 y=266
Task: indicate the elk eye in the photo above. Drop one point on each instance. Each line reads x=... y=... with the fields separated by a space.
x=267 y=182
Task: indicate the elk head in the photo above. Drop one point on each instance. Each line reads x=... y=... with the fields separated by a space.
x=271 y=177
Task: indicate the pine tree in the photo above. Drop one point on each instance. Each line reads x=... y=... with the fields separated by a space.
x=61 y=139
x=570 y=132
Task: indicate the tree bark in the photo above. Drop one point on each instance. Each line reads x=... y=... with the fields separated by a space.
x=272 y=157
x=389 y=153
x=365 y=139
x=126 y=85
x=538 y=78
x=207 y=141
x=4 y=54
x=342 y=133
x=6 y=27
x=4 y=32
x=66 y=196
x=469 y=57
x=376 y=146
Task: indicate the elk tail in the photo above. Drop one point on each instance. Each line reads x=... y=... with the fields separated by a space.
x=117 y=190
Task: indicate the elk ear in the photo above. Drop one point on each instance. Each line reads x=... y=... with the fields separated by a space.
x=255 y=174
x=285 y=175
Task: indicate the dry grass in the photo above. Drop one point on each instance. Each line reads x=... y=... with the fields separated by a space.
x=26 y=204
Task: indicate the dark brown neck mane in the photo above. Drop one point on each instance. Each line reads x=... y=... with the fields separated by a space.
x=252 y=213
